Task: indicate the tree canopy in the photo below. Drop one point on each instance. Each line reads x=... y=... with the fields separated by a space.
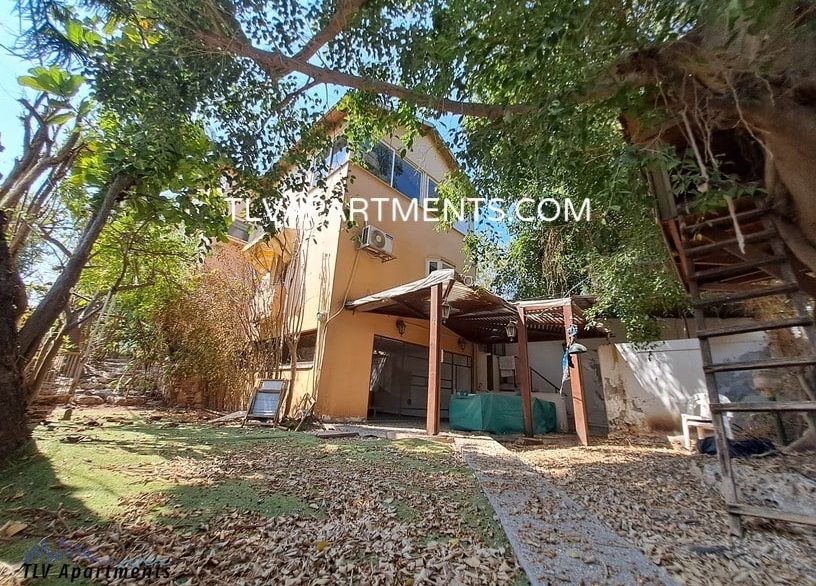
x=540 y=90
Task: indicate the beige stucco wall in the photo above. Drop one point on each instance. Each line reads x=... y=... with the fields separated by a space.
x=337 y=272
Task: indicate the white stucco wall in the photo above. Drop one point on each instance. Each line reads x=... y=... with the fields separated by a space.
x=650 y=387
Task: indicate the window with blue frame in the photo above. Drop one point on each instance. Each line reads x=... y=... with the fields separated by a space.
x=380 y=161
x=339 y=154
x=407 y=178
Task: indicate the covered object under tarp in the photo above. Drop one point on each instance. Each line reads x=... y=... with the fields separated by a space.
x=499 y=413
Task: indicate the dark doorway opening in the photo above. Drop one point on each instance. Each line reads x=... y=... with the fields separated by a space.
x=399 y=379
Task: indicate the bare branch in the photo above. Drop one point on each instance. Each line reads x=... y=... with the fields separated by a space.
x=276 y=64
x=339 y=21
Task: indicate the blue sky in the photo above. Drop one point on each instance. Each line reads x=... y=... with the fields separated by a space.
x=11 y=68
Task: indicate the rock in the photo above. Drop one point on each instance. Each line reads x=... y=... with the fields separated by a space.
x=88 y=400
x=66 y=414
x=126 y=401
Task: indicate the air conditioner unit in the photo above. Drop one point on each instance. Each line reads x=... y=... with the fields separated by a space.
x=377 y=241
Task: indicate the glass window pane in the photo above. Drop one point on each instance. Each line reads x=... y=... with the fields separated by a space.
x=463 y=226
x=378 y=161
x=407 y=178
x=339 y=154
x=431 y=188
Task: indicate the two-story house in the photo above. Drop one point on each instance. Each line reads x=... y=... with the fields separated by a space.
x=353 y=363
x=387 y=324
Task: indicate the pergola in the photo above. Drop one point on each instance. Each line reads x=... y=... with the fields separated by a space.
x=482 y=317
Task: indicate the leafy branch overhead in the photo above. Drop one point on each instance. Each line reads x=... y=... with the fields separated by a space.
x=555 y=99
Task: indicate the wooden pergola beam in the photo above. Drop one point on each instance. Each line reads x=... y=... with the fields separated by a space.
x=576 y=381
x=524 y=375
x=434 y=361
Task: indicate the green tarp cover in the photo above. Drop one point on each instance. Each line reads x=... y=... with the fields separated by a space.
x=498 y=413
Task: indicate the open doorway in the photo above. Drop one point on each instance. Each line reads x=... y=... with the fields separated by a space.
x=399 y=379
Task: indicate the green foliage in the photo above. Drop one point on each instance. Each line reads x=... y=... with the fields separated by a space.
x=52 y=80
x=555 y=58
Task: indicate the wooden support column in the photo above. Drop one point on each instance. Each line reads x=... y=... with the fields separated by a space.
x=576 y=383
x=434 y=361
x=524 y=374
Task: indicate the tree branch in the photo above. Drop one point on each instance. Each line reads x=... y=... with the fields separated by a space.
x=339 y=21
x=276 y=64
x=42 y=318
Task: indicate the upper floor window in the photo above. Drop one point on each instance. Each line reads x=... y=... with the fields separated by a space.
x=380 y=161
x=436 y=264
x=407 y=179
x=331 y=159
x=384 y=162
x=339 y=154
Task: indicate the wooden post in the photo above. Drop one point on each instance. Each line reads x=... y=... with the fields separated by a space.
x=524 y=374
x=434 y=361
x=576 y=383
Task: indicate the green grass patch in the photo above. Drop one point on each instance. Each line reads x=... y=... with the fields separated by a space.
x=191 y=505
x=86 y=482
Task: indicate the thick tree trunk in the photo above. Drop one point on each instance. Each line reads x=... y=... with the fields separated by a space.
x=13 y=429
x=55 y=301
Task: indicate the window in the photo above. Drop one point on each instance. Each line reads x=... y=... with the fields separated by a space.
x=403 y=176
x=339 y=154
x=380 y=161
x=436 y=264
x=431 y=189
x=329 y=160
x=407 y=178
x=305 y=349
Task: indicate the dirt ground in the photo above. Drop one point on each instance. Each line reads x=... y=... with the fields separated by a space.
x=649 y=494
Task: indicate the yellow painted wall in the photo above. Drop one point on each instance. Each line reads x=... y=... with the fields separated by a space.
x=342 y=368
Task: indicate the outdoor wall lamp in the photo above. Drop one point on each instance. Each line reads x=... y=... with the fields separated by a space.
x=576 y=348
x=400 y=327
x=446 y=309
x=511 y=329
x=461 y=343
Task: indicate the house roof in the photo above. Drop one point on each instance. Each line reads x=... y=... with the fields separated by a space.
x=477 y=314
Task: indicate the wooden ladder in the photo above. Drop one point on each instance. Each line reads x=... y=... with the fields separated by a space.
x=789 y=287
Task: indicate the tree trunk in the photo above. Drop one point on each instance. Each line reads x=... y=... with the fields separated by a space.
x=13 y=429
x=55 y=301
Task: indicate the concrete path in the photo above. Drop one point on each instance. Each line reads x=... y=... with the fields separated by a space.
x=554 y=539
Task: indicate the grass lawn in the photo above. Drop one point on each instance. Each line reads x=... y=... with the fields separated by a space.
x=200 y=504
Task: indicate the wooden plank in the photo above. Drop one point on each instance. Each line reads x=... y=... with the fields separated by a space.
x=736 y=269
x=746 y=295
x=576 y=384
x=755 y=327
x=758 y=364
x=434 y=361
x=725 y=220
x=524 y=374
x=715 y=246
x=769 y=513
x=759 y=406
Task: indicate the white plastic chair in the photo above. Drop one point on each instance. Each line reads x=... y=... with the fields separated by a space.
x=700 y=418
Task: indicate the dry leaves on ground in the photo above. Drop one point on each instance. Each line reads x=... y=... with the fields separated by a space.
x=650 y=495
x=360 y=512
